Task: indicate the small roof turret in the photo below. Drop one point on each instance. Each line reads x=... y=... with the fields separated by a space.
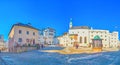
x=97 y=37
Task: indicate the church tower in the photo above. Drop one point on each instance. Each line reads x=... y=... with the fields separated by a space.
x=70 y=25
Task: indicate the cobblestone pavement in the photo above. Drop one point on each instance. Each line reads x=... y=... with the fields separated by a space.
x=1 y=61
x=43 y=58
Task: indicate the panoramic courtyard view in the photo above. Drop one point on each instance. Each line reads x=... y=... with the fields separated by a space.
x=43 y=58
x=59 y=32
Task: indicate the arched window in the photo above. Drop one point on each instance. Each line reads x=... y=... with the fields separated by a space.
x=80 y=39
x=85 y=39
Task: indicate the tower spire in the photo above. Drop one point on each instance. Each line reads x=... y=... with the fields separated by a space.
x=70 y=25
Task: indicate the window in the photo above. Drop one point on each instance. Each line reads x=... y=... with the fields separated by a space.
x=33 y=41
x=33 y=33
x=27 y=32
x=20 y=40
x=85 y=39
x=20 y=31
x=51 y=34
x=51 y=30
x=105 y=36
x=105 y=39
x=80 y=39
x=91 y=35
x=49 y=41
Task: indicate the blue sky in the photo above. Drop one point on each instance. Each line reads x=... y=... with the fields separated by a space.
x=99 y=14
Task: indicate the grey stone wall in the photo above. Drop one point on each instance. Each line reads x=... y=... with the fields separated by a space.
x=24 y=49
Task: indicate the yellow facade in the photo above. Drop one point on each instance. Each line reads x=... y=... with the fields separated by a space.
x=15 y=34
x=30 y=38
